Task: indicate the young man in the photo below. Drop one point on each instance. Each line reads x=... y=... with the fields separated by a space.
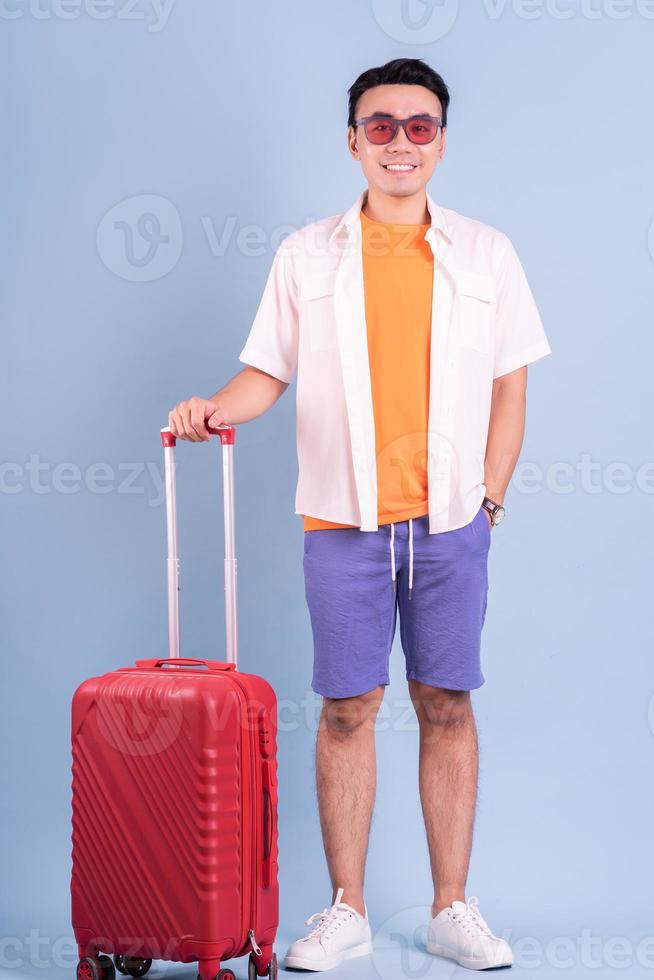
x=409 y=329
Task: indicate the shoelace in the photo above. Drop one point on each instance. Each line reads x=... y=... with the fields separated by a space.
x=471 y=919
x=328 y=920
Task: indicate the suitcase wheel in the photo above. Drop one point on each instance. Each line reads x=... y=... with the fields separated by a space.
x=119 y=963
x=132 y=966
x=95 y=968
x=270 y=972
x=222 y=975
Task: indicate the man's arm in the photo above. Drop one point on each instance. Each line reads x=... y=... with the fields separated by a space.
x=247 y=395
x=505 y=431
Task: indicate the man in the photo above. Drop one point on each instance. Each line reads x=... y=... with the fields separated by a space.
x=409 y=329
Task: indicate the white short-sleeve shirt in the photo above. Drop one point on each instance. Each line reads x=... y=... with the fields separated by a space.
x=310 y=326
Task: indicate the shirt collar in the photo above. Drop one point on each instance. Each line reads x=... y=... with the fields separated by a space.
x=350 y=222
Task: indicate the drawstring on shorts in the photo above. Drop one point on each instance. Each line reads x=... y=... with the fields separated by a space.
x=410 y=556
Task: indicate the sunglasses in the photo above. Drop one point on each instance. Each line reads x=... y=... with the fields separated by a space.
x=383 y=129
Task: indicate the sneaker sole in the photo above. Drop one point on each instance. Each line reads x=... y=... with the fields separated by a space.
x=300 y=963
x=469 y=964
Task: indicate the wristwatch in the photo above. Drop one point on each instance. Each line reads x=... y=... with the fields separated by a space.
x=496 y=511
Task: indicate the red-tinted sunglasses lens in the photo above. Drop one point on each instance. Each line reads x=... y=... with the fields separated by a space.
x=380 y=130
x=421 y=130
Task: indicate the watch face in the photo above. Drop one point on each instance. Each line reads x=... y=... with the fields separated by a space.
x=498 y=514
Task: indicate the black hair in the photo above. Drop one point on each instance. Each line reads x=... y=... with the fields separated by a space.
x=401 y=71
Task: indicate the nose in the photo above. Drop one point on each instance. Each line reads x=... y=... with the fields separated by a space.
x=400 y=141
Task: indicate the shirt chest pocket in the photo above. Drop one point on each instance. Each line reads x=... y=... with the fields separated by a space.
x=317 y=317
x=476 y=294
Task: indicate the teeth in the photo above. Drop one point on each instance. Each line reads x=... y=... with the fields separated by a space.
x=399 y=166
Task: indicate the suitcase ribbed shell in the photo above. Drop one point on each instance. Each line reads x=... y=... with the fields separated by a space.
x=168 y=816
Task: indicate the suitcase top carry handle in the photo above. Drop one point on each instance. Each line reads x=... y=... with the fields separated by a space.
x=227 y=435
x=186 y=662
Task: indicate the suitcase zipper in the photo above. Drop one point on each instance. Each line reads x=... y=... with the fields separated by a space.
x=255 y=836
x=250 y=938
x=255 y=832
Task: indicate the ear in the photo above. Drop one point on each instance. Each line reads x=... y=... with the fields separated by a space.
x=352 y=144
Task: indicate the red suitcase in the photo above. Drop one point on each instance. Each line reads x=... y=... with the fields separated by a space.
x=174 y=782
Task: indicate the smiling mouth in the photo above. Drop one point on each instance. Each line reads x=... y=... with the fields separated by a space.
x=399 y=168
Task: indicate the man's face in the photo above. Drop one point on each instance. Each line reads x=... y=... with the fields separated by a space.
x=400 y=101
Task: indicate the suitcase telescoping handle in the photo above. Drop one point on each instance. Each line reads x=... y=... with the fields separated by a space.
x=227 y=435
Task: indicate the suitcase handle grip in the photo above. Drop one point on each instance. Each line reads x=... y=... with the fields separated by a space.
x=187 y=662
x=227 y=434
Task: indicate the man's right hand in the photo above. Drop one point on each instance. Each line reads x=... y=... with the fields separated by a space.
x=189 y=420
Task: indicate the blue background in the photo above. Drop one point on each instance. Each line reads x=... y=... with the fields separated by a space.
x=235 y=115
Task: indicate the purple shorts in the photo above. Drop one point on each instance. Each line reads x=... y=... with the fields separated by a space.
x=353 y=600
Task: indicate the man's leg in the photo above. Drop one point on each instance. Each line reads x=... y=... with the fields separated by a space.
x=346 y=784
x=448 y=771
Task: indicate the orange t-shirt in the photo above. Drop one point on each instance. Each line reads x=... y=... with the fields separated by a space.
x=398 y=271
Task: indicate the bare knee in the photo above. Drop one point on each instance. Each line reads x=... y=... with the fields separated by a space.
x=440 y=707
x=343 y=716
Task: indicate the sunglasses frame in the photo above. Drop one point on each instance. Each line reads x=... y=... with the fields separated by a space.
x=397 y=123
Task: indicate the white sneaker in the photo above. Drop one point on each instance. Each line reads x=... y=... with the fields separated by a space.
x=340 y=933
x=460 y=933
